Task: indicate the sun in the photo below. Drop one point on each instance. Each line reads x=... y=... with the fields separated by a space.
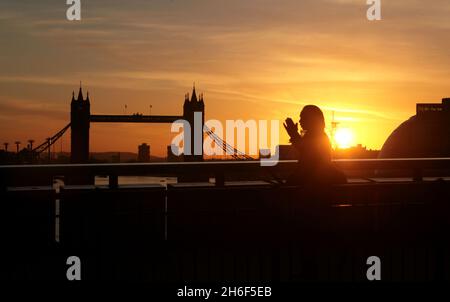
x=343 y=138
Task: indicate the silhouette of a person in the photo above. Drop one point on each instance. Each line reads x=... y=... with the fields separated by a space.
x=313 y=150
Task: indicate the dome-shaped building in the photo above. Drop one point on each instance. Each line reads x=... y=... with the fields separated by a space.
x=427 y=134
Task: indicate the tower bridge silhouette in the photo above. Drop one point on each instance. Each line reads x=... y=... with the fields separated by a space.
x=81 y=118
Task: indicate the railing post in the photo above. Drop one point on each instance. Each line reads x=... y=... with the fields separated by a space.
x=2 y=182
x=417 y=174
x=219 y=178
x=113 y=181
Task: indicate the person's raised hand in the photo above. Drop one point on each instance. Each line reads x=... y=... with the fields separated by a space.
x=291 y=128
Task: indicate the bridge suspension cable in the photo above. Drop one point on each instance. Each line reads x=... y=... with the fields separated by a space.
x=228 y=149
x=47 y=144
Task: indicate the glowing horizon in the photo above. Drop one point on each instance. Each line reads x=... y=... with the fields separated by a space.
x=251 y=59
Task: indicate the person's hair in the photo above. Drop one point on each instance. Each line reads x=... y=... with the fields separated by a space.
x=312 y=118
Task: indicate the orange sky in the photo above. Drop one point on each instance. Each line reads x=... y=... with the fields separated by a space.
x=253 y=59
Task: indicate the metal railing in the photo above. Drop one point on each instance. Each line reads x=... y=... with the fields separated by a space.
x=413 y=167
x=409 y=223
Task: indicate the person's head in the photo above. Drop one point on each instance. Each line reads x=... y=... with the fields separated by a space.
x=311 y=119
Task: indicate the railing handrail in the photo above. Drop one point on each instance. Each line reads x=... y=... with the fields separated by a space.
x=384 y=163
x=414 y=167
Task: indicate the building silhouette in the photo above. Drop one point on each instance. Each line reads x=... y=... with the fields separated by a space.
x=171 y=157
x=190 y=107
x=356 y=152
x=143 y=153
x=80 y=111
x=425 y=134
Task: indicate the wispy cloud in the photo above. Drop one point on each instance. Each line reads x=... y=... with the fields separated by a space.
x=15 y=110
x=263 y=55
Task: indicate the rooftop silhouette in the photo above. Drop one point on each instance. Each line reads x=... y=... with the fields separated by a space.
x=425 y=134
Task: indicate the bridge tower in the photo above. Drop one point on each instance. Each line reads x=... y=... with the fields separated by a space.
x=80 y=111
x=190 y=107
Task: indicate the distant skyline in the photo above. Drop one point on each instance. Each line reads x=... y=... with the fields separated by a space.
x=253 y=59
